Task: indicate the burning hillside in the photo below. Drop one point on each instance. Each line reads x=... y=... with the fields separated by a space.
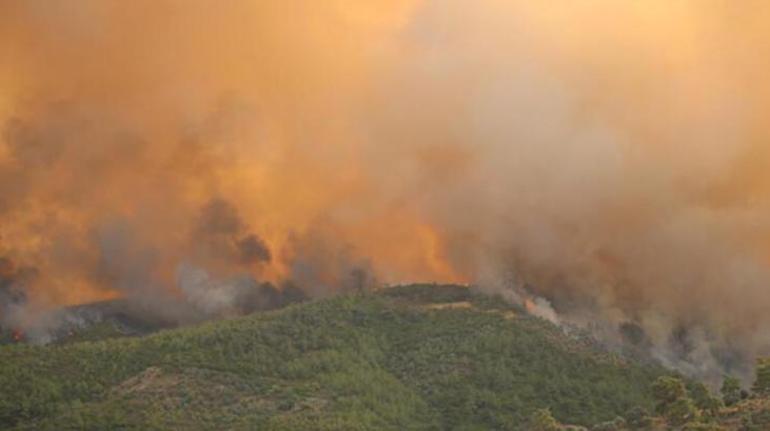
x=609 y=157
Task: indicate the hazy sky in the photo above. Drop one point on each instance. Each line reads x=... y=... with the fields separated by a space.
x=610 y=153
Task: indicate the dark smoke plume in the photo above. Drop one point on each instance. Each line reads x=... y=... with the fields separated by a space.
x=613 y=156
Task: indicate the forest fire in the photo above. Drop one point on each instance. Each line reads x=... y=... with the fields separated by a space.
x=391 y=141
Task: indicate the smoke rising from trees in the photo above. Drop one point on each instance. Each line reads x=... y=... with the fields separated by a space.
x=611 y=155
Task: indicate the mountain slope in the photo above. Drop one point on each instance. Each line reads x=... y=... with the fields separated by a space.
x=415 y=357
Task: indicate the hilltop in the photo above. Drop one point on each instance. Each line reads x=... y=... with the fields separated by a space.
x=412 y=357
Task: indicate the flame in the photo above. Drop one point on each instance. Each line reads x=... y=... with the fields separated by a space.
x=529 y=305
x=614 y=150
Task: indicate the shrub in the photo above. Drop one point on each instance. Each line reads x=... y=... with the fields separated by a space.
x=762 y=382
x=638 y=418
x=672 y=400
x=704 y=400
x=761 y=417
x=667 y=390
x=542 y=420
x=681 y=411
x=731 y=390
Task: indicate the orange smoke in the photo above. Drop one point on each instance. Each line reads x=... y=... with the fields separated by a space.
x=608 y=153
x=122 y=121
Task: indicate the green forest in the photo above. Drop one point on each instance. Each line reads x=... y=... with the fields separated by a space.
x=419 y=357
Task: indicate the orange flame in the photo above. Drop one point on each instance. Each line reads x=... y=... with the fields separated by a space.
x=435 y=140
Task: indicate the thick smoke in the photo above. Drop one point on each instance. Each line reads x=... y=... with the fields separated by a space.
x=612 y=155
x=223 y=234
x=13 y=296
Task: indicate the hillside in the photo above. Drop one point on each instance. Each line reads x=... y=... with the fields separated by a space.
x=413 y=357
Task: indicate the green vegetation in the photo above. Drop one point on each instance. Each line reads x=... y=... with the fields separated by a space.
x=762 y=383
x=408 y=358
x=731 y=390
x=689 y=406
x=672 y=400
x=543 y=420
x=704 y=400
x=397 y=359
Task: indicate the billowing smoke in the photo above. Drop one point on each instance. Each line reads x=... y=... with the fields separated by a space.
x=13 y=298
x=613 y=156
x=222 y=234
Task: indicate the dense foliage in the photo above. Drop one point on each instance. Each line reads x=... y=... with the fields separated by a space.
x=762 y=383
x=397 y=359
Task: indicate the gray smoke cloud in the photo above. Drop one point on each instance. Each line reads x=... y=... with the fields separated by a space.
x=222 y=231
x=12 y=293
x=612 y=155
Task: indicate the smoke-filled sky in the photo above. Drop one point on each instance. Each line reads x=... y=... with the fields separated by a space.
x=612 y=155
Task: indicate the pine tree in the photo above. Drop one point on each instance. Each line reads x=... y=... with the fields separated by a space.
x=672 y=400
x=762 y=383
x=731 y=390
